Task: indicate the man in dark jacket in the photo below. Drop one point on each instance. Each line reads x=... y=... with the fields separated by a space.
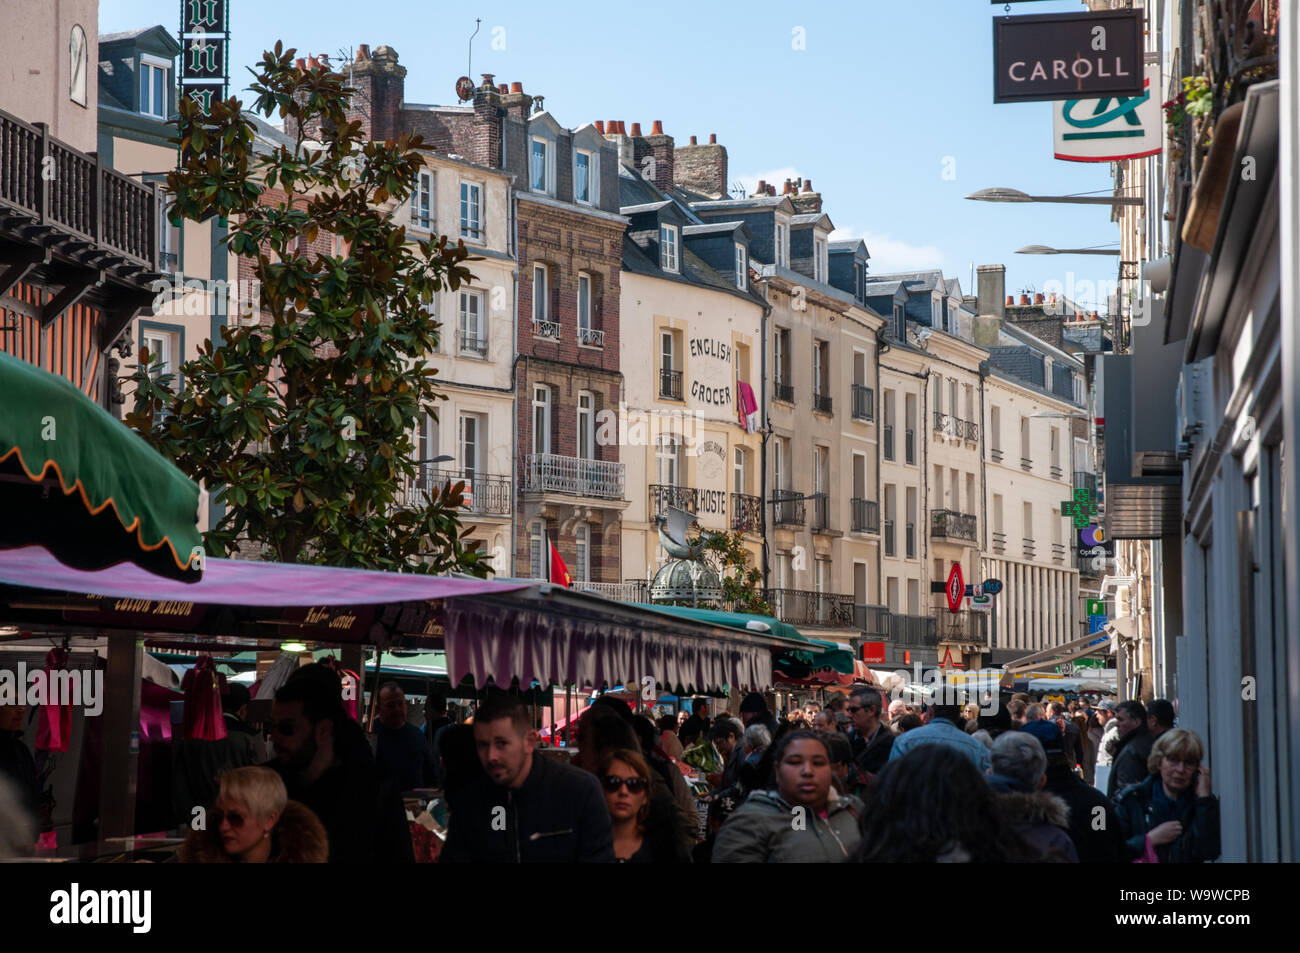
x=1019 y=772
x=1094 y=827
x=527 y=808
x=326 y=764
x=873 y=738
x=1131 y=750
x=402 y=752
x=1073 y=747
x=16 y=761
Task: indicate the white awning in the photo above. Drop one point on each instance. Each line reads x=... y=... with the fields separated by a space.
x=1097 y=644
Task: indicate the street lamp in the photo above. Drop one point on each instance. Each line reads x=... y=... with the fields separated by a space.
x=1046 y=250
x=1048 y=413
x=441 y=459
x=1015 y=195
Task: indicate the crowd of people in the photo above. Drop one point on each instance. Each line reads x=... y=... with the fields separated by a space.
x=860 y=779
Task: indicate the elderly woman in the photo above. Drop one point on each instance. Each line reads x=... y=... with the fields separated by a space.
x=801 y=819
x=1173 y=809
x=1019 y=773
x=254 y=822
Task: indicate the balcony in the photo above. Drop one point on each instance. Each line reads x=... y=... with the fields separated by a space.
x=864 y=515
x=889 y=442
x=970 y=431
x=912 y=630
x=633 y=590
x=591 y=337
x=948 y=524
x=1083 y=480
x=911 y=540
x=789 y=508
x=663 y=496
x=1026 y=463
x=864 y=402
x=573 y=476
x=547 y=329
x=471 y=342
x=805 y=607
x=746 y=513
x=821 y=515
x=822 y=404
x=783 y=392
x=1058 y=552
x=999 y=544
x=670 y=384
x=1056 y=471
x=489 y=495
x=1028 y=547
x=966 y=626
x=871 y=620
x=909 y=445
x=995 y=455
x=890 y=549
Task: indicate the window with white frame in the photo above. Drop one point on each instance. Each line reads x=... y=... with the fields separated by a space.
x=163 y=357
x=586 y=425
x=582 y=553
x=668 y=455
x=541 y=294
x=471 y=211
x=782 y=249
x=819 y=259
x=584 y=306
x=541 y=419
x=422 y=202
x=668 y=247
x=154 y=86
x=473 y=332
x=741 y=471
x=537 y=561
x=742 y=267
x=426 y=438
x=471 y=445
x=539 y=165
x=586 y=181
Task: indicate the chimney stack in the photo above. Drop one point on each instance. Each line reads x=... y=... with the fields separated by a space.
x=380 y=83
x=636 y=130
x=701 y=168
x=991 y=301
x=1024 y=300
x=662 y=148
x=516 y=102
x=1038 y=299
x=363 y=53
x=805 y=200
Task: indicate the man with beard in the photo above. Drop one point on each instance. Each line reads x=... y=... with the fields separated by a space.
x=528 y=808
x=326 y=763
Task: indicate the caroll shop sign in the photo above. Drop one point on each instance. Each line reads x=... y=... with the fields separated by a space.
x=1067 y=56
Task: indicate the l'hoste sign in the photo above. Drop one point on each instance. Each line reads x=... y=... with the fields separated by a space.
x=1067 y=56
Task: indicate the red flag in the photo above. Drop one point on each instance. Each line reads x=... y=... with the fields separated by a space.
x=559 y=571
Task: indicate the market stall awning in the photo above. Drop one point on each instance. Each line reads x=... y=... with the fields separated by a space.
x=79 y=482
x=1096 y=644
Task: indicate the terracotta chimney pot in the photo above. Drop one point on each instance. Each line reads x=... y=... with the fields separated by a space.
x=658 y=128
x=363 y=52
x=1024 y=300
x=713 y=138
x=1011 y=300
x=300 y=62
x=1038 y=299
x=636 y=130
x=807 y=185
x=516 y=87
x=693 y=142
x=600 y=126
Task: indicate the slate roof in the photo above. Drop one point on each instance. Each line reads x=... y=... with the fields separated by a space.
x=878 y=288
x=915 y=281
x=712 y=227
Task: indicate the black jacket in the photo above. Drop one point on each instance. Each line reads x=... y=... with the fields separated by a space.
x=18 y=765
x=197 y=764
x=362 y=814
x=1096 y=835
x=875 y=754
x=1130 y=764
x=558 y=815
x=1138 y=814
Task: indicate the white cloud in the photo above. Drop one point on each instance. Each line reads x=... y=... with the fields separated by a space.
x=890 y=254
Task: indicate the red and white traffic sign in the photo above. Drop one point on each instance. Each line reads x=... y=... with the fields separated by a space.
x=956 y=588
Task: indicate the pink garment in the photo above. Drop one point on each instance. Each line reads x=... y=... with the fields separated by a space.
x=748 y=407
x=202 y=686
x=54 y=727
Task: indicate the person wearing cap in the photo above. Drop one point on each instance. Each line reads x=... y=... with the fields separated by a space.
x=1093 y=825
x=753 y=710
x=1019 y=773
x=1105 y=712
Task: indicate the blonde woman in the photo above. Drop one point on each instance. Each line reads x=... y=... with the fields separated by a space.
x=254 y=822
x=1173 y=809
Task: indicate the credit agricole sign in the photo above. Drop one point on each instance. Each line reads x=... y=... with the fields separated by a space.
x=1067 y=56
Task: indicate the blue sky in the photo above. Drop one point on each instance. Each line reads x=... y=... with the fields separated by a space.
x=883 y=97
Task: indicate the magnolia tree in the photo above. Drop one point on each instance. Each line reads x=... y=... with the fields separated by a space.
x=302 y=419
x=742 y=584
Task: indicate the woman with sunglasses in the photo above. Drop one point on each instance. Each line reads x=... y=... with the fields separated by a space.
x=1173 y=810
x=646 y=829
x=254 y=822
x=801 y=820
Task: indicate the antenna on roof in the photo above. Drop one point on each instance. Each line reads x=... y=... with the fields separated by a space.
x=738 y=190
x=469 y=57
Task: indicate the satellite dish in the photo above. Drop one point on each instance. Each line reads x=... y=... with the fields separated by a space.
x=465 y=88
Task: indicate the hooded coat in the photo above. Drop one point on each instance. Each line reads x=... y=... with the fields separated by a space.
x=762 y=831
x=1042 y=818
x=297 y=838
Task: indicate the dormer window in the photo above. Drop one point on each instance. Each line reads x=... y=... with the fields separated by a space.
x=782 y=250
x=541 y=160
x=742 y=267
x=585 y=182
x=936 y=314
x=668 y=248
x=153 y=86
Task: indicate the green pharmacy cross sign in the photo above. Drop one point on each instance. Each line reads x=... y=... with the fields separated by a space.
x=1082 y=508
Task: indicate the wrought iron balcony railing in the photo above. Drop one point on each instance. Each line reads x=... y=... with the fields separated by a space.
x=471 y=342
x=806 y=607
x=822 y=403
x=789 y=508
x=746 y=513
x=74 y=195
x=663 y=495
x=871 y=621
x=547 y=329
x=783 y=392
x=488 y=494
x=670 y=384
x=948 y=524
x=864 y=402
x=865 y=515
x=591 y=337
x=913 y=630
x=573 y=476
x=970 y=431
x=970 y=627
